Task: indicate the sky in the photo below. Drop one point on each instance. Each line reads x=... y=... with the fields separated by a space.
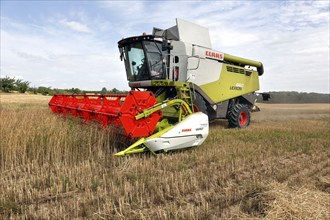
x=73 y=44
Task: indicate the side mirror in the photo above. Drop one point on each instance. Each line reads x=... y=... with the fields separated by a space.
x=121 y=54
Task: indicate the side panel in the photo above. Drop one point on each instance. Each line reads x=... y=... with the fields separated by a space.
x=233 y=82
x=218 y=80
x=208 y=71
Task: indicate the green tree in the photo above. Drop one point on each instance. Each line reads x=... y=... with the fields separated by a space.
x=22 y=86
x=7 y=84
x=104 y=91
x=114 y=91
x=75 y=91
x=33 y=90
x=44 y=90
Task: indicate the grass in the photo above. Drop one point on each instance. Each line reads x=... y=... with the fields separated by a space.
x=54 y=168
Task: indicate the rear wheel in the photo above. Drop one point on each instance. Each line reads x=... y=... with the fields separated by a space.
x=239 y=116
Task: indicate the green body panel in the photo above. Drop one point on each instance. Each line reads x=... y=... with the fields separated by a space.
x=231 y=84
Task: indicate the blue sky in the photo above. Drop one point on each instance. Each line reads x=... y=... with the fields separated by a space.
x=65 y=44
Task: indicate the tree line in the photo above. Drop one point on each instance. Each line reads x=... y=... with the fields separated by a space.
x=296 y=97
x=8 y=84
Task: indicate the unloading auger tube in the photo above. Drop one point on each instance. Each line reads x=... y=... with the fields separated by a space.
x=137 y=115
x=243 y=61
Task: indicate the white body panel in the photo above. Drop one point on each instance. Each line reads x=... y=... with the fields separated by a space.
x=188 y=133
x=204 y=66
x=193 y=33
x=208 y=71
x=198 y=63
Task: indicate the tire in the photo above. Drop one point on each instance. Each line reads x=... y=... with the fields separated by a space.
x=199 y=103
x=239 y=116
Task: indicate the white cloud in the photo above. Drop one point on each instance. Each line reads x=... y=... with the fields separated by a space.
x=78 y=48
x=127 y=10
x=49 y=60
x=76 y=26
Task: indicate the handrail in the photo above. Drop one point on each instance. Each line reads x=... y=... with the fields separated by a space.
x=166 y=103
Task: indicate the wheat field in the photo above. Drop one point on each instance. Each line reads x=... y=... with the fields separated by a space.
x=54 y=168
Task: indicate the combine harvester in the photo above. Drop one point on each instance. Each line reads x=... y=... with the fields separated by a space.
x=178 y=84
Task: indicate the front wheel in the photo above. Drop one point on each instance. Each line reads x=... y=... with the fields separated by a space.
x=199 y=104
x=239 y=116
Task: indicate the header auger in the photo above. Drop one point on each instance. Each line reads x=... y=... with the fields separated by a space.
x=178 y=84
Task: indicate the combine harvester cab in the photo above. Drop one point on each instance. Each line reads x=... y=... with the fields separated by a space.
x=178 y=84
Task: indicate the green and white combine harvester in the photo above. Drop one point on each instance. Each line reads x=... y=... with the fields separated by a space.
x=178 y=84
